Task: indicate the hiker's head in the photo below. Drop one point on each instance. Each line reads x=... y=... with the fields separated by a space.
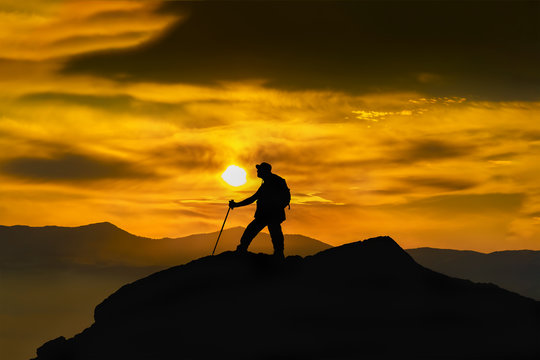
x=263 y=169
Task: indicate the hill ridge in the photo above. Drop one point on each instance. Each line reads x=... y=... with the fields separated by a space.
x=337 y=303
x=105 y=243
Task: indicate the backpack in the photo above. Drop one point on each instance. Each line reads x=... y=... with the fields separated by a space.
x=285 y=196
x=278 y=192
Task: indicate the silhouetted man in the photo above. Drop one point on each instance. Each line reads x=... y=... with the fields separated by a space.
x=272 y=198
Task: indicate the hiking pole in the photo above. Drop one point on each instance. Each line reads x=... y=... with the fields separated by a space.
x=215 y=246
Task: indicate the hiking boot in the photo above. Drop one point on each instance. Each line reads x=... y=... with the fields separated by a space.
x=241 y=249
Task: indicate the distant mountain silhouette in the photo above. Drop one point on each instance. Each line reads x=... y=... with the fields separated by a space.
x=295 y=244
x=71 y=269
x=515 y=270
x=106 y=244
x=366 y=299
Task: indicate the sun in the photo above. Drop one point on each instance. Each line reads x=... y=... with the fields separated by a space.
x=234 y=175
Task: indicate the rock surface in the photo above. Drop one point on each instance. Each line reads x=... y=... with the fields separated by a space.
x=364 y=299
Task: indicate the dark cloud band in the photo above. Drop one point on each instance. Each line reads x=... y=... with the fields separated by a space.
x=479 y=49
x=71 y=167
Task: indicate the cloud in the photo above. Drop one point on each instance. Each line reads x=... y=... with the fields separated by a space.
x=486 y=52
x=379 y=168
x=110 y=103
x=74 y=27
x=354 y=103
x=375 y=116
x=186 y=157
x=428 y=150
x=182 y=213
x=531 y=135
x=197 y=112
x=69 y=167
x=501 y=156
x=463 y=204
x=392 y=153
x=438 y=183
x=100 y=41
x=289 y=157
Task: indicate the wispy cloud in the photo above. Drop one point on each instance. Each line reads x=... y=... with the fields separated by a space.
x=69 y=28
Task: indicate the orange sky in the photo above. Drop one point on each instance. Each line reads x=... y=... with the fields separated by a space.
x=436 y=158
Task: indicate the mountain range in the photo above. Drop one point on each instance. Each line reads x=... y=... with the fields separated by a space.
x=104 y=244
x=514 y=270
x=367 y=299
x=51 y=277
x=70 y=270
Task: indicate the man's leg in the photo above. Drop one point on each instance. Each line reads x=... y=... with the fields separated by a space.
x=249 y=234
x=277 y=238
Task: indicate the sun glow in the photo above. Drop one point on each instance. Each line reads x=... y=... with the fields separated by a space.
x=234 y=175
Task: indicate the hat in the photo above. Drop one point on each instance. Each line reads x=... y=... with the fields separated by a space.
x=264 y=166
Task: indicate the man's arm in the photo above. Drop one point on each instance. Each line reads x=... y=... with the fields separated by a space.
x=249 y=200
